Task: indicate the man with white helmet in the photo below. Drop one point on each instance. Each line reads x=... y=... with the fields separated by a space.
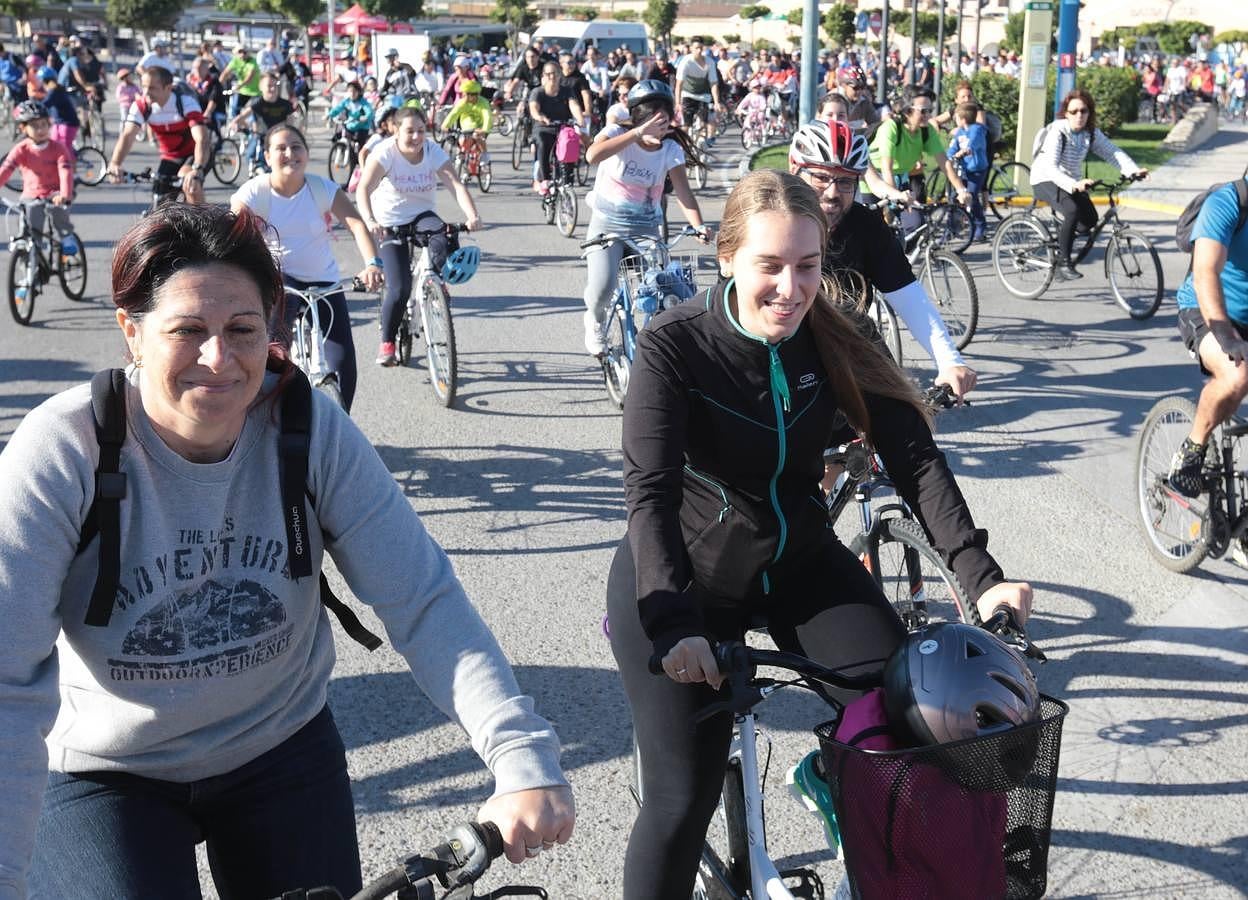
x=830 y=158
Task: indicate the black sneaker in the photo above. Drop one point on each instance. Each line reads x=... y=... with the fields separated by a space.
x=1067 y=273
x=1186 y=467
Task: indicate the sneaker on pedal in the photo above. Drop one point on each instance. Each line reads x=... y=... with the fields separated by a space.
x=595 y=340
x=809 y=787
x=1186 y=468
x=69 y=245
x=1066 y=272
x=386 y=355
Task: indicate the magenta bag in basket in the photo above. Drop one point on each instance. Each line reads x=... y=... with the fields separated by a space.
x=908 y=830
x=568 y=145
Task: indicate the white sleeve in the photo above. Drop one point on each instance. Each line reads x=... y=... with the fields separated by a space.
x=928 y=328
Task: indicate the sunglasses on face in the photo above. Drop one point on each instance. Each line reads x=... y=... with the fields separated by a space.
x=822 y=180
x=1076 y=111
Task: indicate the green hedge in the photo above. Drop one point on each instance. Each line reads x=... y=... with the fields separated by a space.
x=1115 y=91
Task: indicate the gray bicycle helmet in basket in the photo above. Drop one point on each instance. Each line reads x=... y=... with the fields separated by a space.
x=949 y=682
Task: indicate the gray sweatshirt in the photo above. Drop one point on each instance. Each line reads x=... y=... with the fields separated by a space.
x=214 y=655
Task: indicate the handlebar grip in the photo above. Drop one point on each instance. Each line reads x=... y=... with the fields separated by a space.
x=491 y=838
x=655 y=664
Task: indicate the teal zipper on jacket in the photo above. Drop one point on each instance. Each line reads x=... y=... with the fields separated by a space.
x=781 y=400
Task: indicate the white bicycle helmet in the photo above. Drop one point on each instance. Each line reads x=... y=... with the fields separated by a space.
x=832 y=145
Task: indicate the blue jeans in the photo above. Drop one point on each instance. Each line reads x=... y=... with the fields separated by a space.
x=284 y=820
x=975 y=183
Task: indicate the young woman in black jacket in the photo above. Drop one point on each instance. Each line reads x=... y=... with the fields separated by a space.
x=732 y=401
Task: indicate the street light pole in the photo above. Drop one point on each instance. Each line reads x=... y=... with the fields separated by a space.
x=940 y=51
x=329 y=65
x=914 y=41
x=881 y=85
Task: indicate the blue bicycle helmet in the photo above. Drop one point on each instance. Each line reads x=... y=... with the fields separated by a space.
x=461 y=265
x=46 y=73
x=651 y=90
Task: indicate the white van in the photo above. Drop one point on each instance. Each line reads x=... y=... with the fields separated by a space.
x=606 y=35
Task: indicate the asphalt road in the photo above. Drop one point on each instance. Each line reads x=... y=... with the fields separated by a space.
x=521 y=483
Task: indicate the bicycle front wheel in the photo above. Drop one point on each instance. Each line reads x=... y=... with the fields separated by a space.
x=1176 y=527
x=503 y=125
x=886 y=323
x=582 y=171
x=697 y=175
x=518 y=139
x=340 y=163
x=1134 y=272
x=23 y=284
x=951 y=226
x=227 y=161
x=71 y=270
x=485 y=177
x=951 y=288
x=1006 y=186
x=616 y=365
x=914 y=578
x=1022 y=256
x=435 y=311
x=566 y=211
x=90 y=167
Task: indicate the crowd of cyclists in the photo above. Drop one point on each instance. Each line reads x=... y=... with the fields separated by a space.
x=640 y=122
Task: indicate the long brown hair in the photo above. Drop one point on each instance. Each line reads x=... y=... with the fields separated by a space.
x=856 y=364
x=1081 y=94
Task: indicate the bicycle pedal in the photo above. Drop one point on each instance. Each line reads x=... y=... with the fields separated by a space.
x=808 y=886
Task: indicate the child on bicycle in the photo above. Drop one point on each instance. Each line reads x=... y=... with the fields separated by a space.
x=628 y=190
x=752 y=110
x=47 y=168
x=472 y=115
x=126 y=93
x=1057 y=172
x=399 y=187
x=968 y=148
x=356 y=113
x=60 y=106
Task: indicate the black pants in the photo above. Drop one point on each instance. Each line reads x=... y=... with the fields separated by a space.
x=339 y=347
x=824 y=605
x=394 y=257
x=546 y=138
x=1072 y=211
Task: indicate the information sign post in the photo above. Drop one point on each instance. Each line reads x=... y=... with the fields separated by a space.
x=1037 y=35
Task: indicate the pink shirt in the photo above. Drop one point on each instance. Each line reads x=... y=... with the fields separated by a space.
x=46 y=170
x=126 y=93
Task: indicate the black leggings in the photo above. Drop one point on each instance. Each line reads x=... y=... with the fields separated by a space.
x=339 y=346
x=546 y=138
x=1072 y=210
x=398 y=269
x=683 y=764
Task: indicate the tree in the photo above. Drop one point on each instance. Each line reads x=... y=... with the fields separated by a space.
x=751 y=13
x=583 y=13
x=839 y=24
x=145 y=15
x=302 y=12
x=794 y=17
x=1013 y=39
x=732 y=39
x=394 y=9
x=516 y=15
x=660 y=16
x=625 y=15
x=928 y=26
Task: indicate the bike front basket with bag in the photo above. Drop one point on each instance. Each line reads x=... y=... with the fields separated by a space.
x=958 y=820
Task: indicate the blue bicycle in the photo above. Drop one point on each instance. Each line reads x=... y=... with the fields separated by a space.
x=651 y=279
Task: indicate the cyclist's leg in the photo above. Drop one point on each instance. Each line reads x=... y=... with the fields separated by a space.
x=112 y=834
x=286 y=819
x=682 y=764
x=165 y=183
x=1068 y=215
x=602 y=265
x=1228 y=383
x=546 y=138
x=393 y=253
x=60 y=220
x=340 y=348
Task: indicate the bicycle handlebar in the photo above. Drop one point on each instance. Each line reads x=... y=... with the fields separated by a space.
x=461 y=860
x=605 y=239
x=1004 y=624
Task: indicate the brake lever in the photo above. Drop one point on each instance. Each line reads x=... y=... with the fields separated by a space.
x=737 y=702
x=1003 y=624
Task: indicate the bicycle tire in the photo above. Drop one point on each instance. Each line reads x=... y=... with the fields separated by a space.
x=697 y=175
x=1004 y=187
x=485 y=177
x=227 y=161
x=330 y=387
x=461 y=166
x=91 y=167
x=340 y=163
x=951 y=288
x=885 y=320
x=1174 y=526
x=1133 y=270
x=439 y=331
x=566 y=210
x=1022 y=256
x=616 y=366
x=299 y=116
x=548 y=208
x=936 y=185
x=72 y=274
x=914 y=578
x=503 y=125
x=404 y=339
x=582 y=171
x=517 y=146
x=20 y=264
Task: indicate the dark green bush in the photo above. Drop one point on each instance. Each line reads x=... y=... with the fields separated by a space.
x=998 y=93
x=1116 y=93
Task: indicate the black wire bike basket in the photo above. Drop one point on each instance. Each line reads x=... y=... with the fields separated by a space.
x=904 y=814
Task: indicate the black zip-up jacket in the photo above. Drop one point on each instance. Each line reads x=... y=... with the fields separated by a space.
x=723 y=453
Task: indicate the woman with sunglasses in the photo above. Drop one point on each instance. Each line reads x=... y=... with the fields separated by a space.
x=1057 y=171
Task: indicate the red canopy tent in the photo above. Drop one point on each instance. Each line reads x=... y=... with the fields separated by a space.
x=356 y=21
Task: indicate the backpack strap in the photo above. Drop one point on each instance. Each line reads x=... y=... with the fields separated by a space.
x=294 y=445
x=1241 y=194
x=108 y=406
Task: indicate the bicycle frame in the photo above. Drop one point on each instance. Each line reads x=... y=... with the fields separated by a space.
x=309 y=355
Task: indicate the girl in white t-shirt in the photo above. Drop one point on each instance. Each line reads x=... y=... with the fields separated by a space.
x=299 y=237
x=399 y=187
x=627 y=198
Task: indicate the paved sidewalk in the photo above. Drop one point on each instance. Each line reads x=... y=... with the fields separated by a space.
x=1170 y=187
